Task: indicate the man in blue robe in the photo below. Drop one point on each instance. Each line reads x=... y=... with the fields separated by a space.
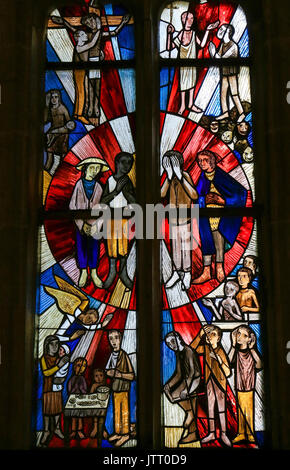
x=216 y=189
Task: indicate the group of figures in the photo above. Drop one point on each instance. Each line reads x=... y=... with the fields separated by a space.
x=210 y=286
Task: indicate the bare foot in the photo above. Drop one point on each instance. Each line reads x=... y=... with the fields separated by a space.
x=205 y=276
x=122 y=441
x=220 y=274
x=196 y=109
x=209 y=438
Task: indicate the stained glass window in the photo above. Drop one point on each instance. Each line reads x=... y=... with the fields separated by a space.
x=86 y=310
x=211 y=351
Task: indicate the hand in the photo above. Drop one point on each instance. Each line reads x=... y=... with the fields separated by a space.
x=118 y=374
x=170 y=29
x=176 y=167
x=213 y=25
x=87 y=229
x=70 y=125
x=207 y=302
x=167 y=389
x=126 y=19
x=245 y=308
x=47 y=99
x=56 y=19
x=107 y=320
x=167 y=167
x=77 y=334
x=213 y=198
x=252 y=341
x=212 y=49
x=183 y=395
x=121 y=183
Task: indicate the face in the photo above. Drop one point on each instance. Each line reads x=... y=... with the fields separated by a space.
x=249 y=263
x=124 y=165
x=205 y=163
x=54 y=99
x=61 y=352
x=92 y=171
x=222 y=31
x=248 y=154
x=91 y=22
x=115 y=340
x=212 y=338
x=171 y=342
x=53 y=347
x=187 y=20
x=227 y=137
x=82 y=37
x=229 y=290
x=89 y=318
x=243 y=279
x=242 y=337
x=80 y=367
x=243 y=128
x=99 y=376
x=214 y=127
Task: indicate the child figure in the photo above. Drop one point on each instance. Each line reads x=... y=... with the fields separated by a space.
x=77 y=385
x=229 y=309
x=217 y=370
x=99 y=379
x=246 y=362
x=63 y=362
x=246 y=296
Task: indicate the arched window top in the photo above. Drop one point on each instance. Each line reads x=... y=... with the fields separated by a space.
x=200 y=17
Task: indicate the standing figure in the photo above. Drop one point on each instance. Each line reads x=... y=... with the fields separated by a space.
x=229 y=309
x=246 y=297
x=120 y=370
x=228 y=49
x=87 y=85
x=181 y=191
x=99 y=379
x=52 y=405
x=57 y=135
x=181 y=387
x=60 y=376
x=217 y=370
x=186 y=42
x=87 y=194
x=119 y=192
x=77 y=385
x=246 y=362
x=216 y=188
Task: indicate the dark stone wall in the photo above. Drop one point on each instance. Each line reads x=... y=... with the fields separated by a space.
x=22 y=68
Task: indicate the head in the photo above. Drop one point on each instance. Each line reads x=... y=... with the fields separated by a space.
x=174 y=341
x=55 y=97
x=213 y=336
x=80 y=365
x=123 y=163
x=63 y=350
x=226 y=32
x=248 y=154
x=206 y=160
x=231 y=288
x=89 y=317
x=99 y=376
x=81 y=37
x=51 y=345
x=214 y=126
x=92 y=21
x=176 y=155
x=245 y=336
x=251 y=263
x=115 y=337
x=227 y=137
x=90 y=171
x=244 y=276
x=242 y=129
x=187 y=19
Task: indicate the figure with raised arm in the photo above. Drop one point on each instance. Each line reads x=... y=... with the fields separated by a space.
x=186 y=41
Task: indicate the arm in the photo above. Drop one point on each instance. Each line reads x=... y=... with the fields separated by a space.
x=165 y=187
x=255 y=304
x=125 y=20
x=90 y=44
x=257 y=359
x=170 y=43
x=209 y=303
x=224 y=363
x=196 y=341
x=208 y=29
x=47 y=372
x=129 y=192
x=62 y=21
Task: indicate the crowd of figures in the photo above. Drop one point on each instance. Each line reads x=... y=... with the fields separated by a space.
x=88 y=392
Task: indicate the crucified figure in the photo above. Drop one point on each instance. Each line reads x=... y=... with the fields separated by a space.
x=186 y=42
x=88 y=84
